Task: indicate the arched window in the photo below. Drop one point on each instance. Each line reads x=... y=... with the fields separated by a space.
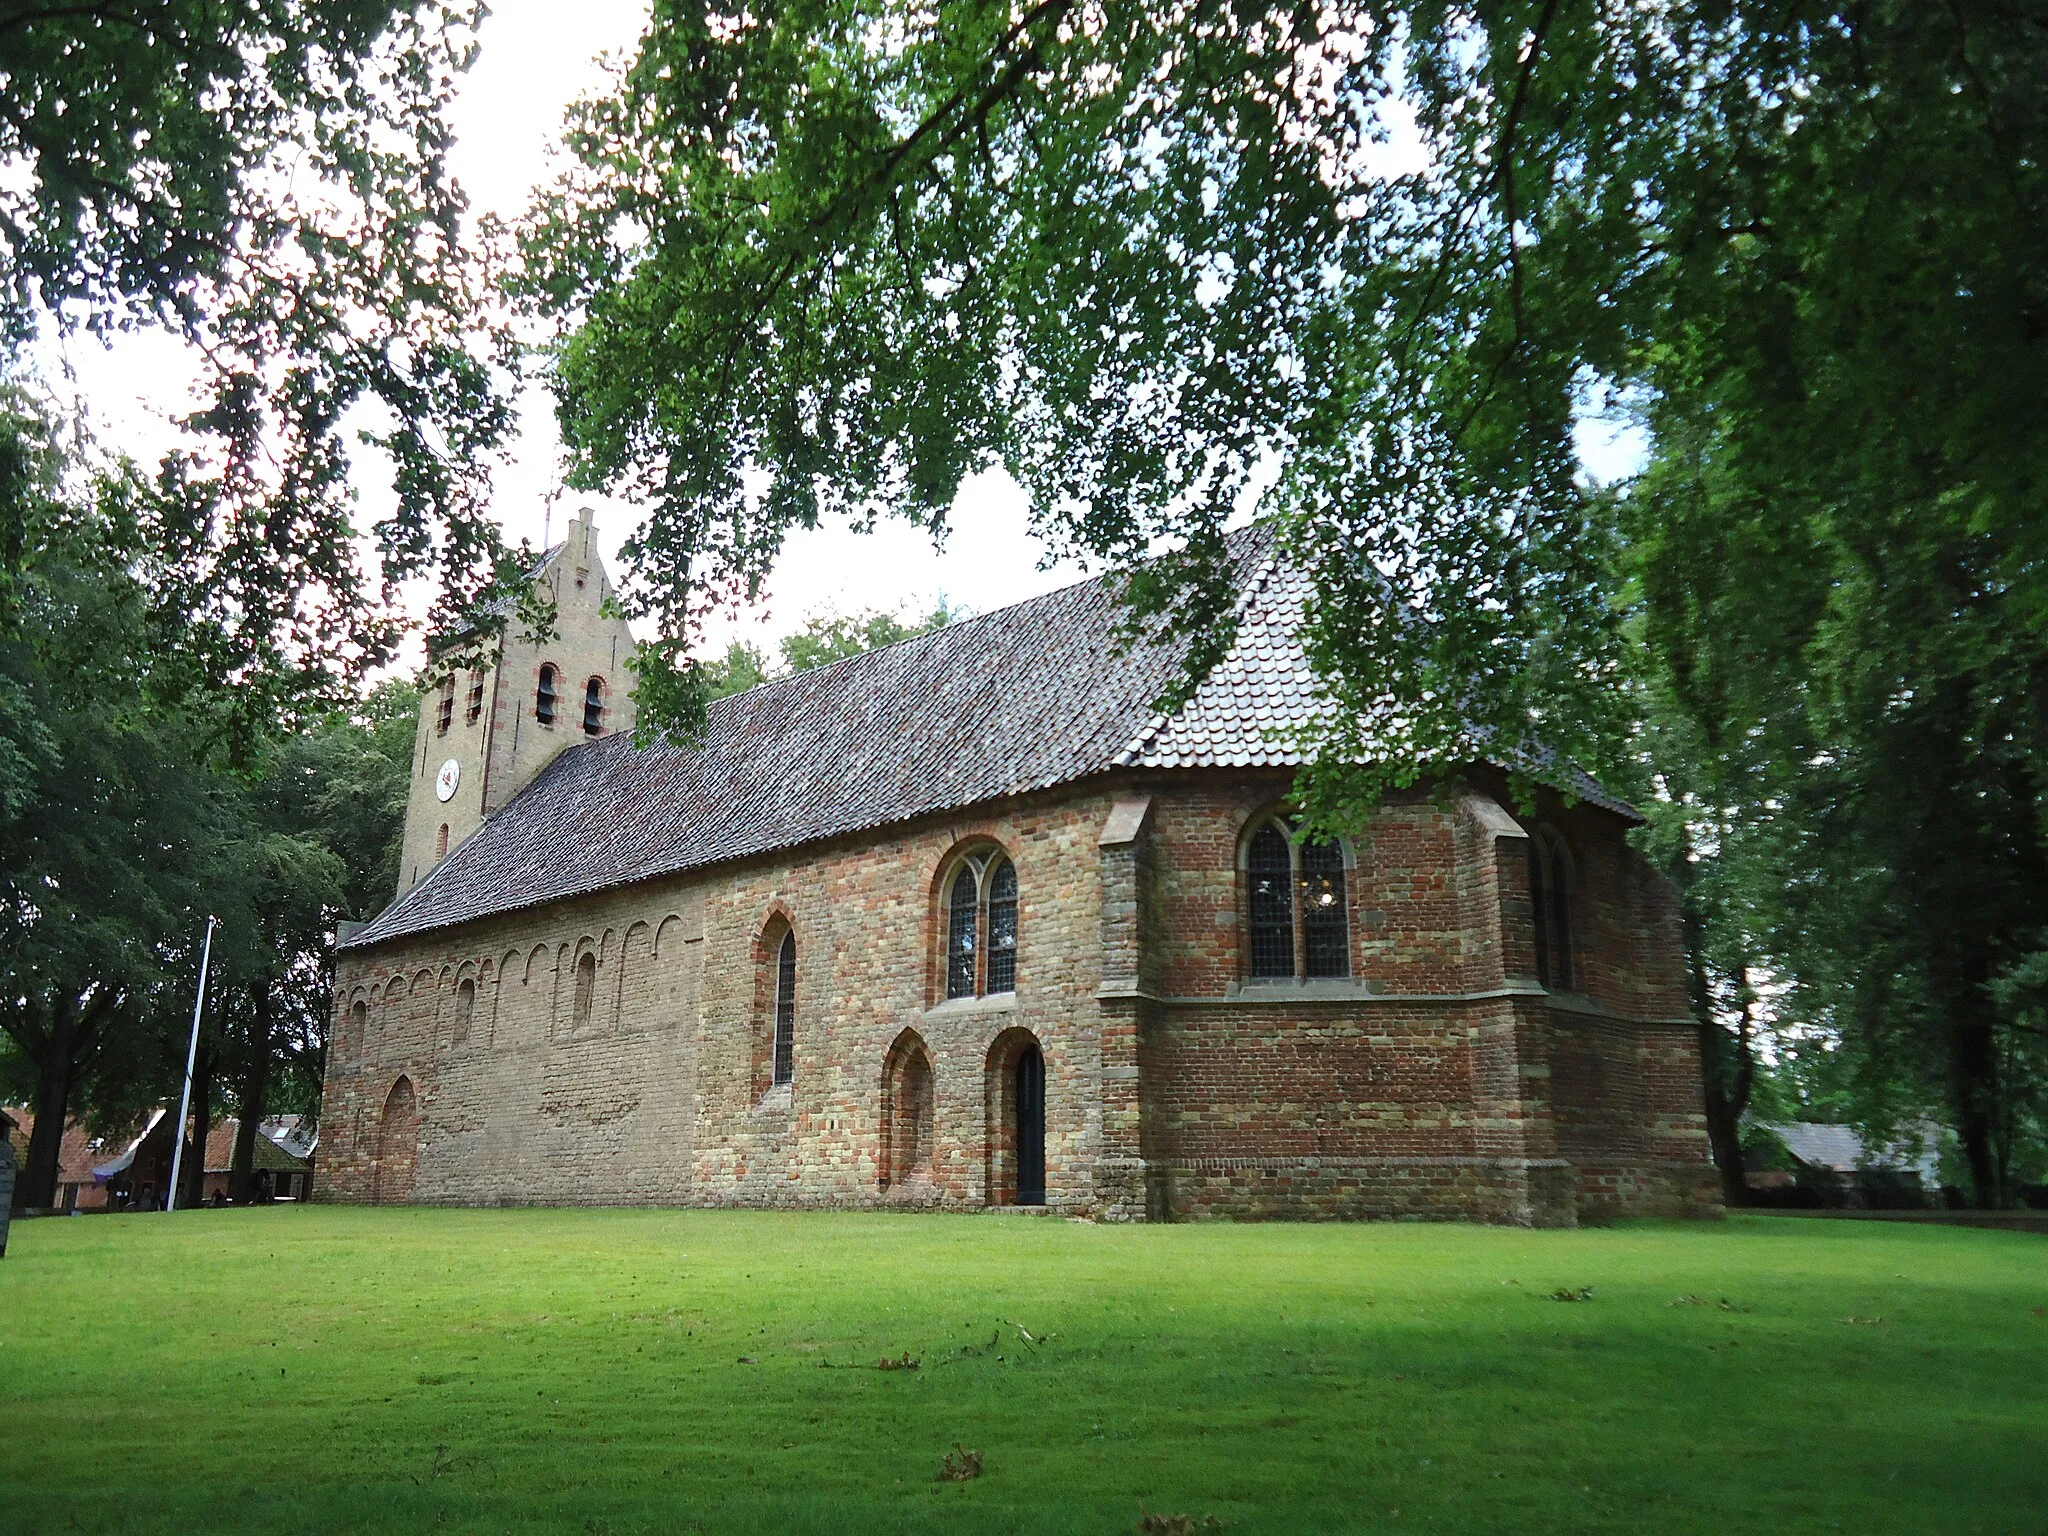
x=1002 y=927
x=981 y=918
x=465 y=1008
x=445 y=717
x=476 y=696
x=586 y=988
x=1550 y=900
x=785 y=1010
x=1272 y=892
x=358 y=1025
x=544 y=696
x=963 y=914
x=441 y=842
x=593 y=707
x=1296 y=890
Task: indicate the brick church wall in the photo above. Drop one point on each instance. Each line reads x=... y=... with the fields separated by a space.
x=1438 y=1079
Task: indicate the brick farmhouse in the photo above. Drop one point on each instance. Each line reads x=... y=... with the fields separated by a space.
x=965 y=923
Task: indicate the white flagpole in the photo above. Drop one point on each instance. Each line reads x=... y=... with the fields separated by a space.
x=185 y=1100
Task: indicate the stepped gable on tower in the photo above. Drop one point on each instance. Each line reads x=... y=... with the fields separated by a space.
x=1025 y=698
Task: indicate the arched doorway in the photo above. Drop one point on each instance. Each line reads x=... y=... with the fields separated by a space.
x=1016 y=1119
x=398 y=1146
x=908 y=1101
x=1030 y=1102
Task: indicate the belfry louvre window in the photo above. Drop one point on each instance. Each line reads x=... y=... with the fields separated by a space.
x=981 y=927
x=446 y=716
x=785 y=1011
x=1299 y=913
x=593 y=706
x=476 y=697
x=544 y=696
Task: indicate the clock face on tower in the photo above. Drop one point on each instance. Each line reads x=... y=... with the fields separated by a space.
x=446 y=780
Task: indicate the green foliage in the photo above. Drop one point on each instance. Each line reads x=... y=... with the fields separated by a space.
x=825 y=638
x=467 y=1370
x=267 y=181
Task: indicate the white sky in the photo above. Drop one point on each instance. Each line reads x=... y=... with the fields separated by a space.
x=535 y=58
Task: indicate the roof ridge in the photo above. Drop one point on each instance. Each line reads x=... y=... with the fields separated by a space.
x=961 y=624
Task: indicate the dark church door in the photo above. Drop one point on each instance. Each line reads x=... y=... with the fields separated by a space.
x=1031 y=1127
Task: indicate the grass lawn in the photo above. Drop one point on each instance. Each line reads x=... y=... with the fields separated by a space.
x=321 y=1370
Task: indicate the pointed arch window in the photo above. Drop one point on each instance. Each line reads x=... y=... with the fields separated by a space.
x=785 y=1011
x=981 y=926
x=1551 y=883
x=1298 y=905
x=544 y=695
x=593 y=707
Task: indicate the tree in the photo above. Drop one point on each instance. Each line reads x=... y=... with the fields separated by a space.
x=105 y=818
x=267 y=181
x=1364 y=266
x=825 y=638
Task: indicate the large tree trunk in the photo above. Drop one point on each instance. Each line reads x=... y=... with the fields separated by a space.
x=1727 y=1066
x=255 y=1088
x=1973 y=1066
x=37 y=1186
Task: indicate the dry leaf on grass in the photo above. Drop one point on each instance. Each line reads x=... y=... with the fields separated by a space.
x=959 y=1465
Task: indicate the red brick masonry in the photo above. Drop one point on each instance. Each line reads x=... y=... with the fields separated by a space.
x=1438 y=1080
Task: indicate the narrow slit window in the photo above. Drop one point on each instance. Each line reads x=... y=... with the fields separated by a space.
x=785 y=1011
x=1550 y=894
x=1002 y=928
x=961 y=935
x=1271 y=872
x=586 y=989
x=593 y=707
x=476 y=697
x=446 y=715
x=544 y=697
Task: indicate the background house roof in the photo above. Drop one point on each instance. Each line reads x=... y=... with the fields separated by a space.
x=1027 y=697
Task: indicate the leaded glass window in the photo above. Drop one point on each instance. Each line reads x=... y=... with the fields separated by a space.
x=1326 y=936
x=785 y=1010
x=1002 y=928
x=1272 y=903
x=961 y=933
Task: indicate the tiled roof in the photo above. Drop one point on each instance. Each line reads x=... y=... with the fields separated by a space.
x=1020 y=699
x=499 y=607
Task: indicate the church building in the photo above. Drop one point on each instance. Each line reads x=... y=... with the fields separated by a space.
x=965 y=923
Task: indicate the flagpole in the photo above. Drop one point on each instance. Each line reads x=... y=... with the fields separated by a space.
x=191 y=1056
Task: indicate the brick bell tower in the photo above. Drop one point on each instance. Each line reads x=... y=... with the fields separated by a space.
x=485 y=730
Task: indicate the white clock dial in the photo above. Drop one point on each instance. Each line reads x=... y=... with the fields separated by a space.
x=446 y=780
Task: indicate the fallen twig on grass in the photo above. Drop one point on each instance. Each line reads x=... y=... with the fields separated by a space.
x=959 y=1465
x=1583 y=1293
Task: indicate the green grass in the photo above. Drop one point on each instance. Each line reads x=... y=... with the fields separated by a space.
x=323 y=1370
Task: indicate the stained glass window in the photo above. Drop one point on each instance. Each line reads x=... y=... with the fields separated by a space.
x=1326 y=935
x=1272 y=892
x=1002 y=928
x=960 y=934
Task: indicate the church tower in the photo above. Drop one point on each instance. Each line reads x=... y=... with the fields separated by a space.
x=485 y=731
